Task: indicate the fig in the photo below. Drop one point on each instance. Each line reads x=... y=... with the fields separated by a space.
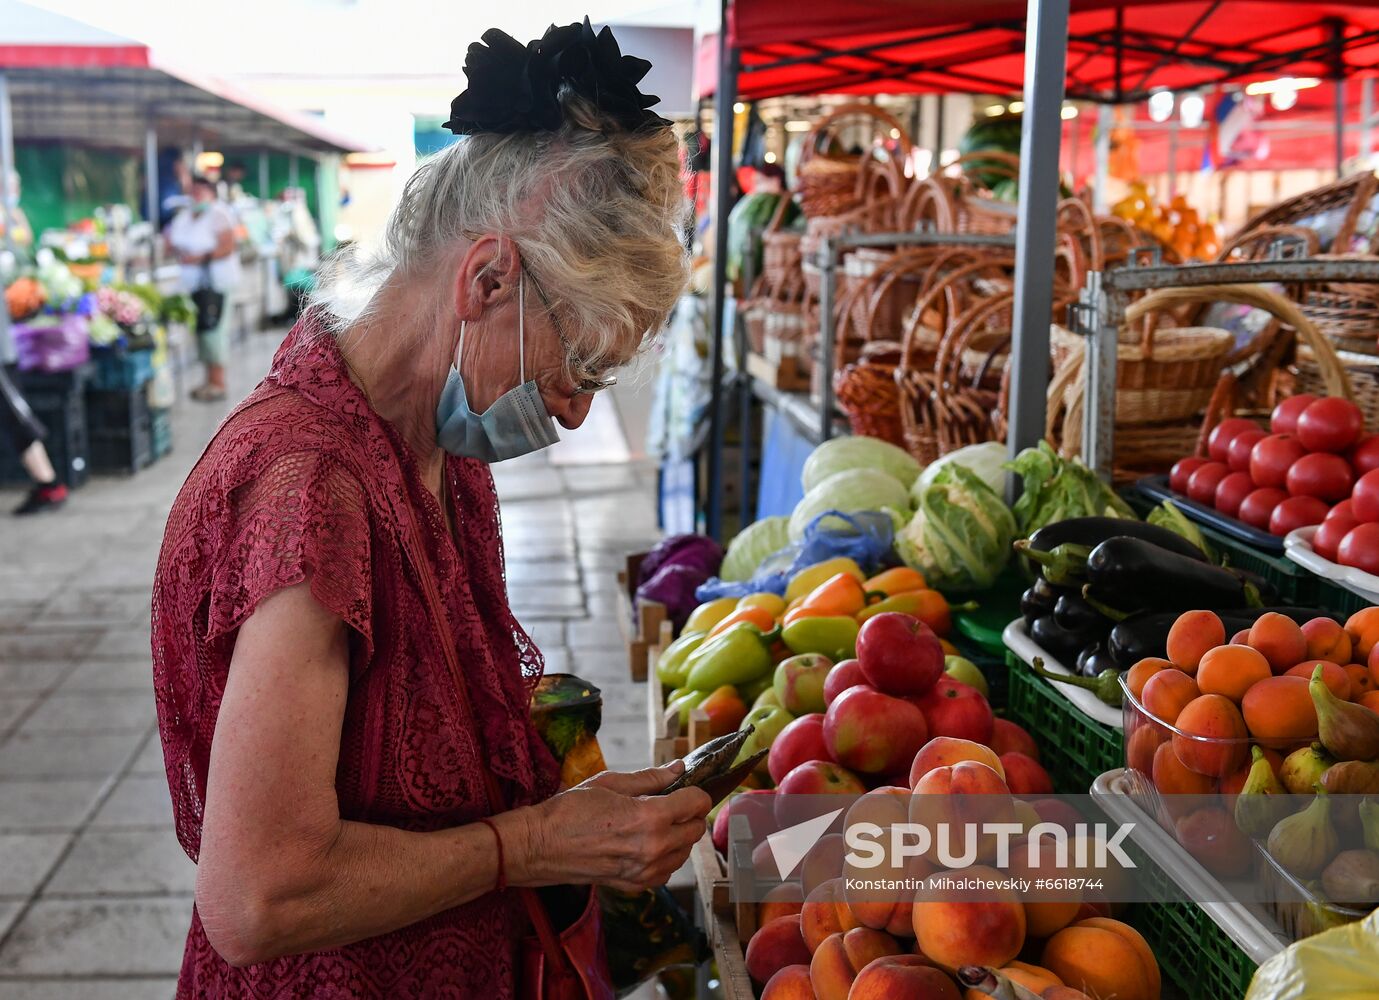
x=1352 y=879
x=1352 y=777
x=1256 y=809
x=1304 y=842
x=1347 y=730
x=1303 y=768
x=1369 y=820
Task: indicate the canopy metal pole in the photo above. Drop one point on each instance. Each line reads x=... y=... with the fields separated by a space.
x=1101 y=202
x=293 y=177
x=1340 y=128
x=6 y=158
x=1366 y=127
x=1046 y=40
x=263 y=175
x=151 y=190
x=724 y=98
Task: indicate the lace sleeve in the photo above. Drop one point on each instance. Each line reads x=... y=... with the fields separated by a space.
x=301 y=518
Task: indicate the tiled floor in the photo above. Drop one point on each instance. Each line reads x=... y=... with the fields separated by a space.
x=95 y=893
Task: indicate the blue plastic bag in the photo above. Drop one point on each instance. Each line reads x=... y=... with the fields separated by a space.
x=867 y=541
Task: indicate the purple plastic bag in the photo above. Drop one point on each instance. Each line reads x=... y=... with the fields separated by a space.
x=52 y=345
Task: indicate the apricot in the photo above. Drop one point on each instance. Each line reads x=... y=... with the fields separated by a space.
x=1333 y=676
x=1223 y=745
x=782 y=901
x=1279 y=711
x=1372 y=662
x=1191 y=636
x=940 y=751
x=1361 y=679
x=1141 y=672
x=909 y=976
x=1241 y=638
x=1211 y=836
x=1230 y=670
x=790 y=983
x=1280 y=639
x=825 y=912
x=1363 y=629
x=1144 y=740
x=1044 y=915
x=956 y=932
x=1167 y=693
x=837 y=961
x=775 y=946
x=1172 y=778
x=1104 y=958
x=1327 y=640
x=1370 y=699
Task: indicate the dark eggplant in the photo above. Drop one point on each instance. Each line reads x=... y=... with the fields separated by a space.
x=1076 y=615
x=1039 y=598
x=1268 y=593
x=1060 y=643
x=1092 y=531
x=1131 y=574
x=1095 y=660
x=1146 y=634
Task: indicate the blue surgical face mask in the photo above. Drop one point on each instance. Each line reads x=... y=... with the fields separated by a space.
x=517 y=423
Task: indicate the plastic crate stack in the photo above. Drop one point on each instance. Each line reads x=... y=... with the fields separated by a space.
x=58 y=400
x=126 y=434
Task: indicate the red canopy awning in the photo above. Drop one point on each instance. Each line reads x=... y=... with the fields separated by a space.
x=1117 y=49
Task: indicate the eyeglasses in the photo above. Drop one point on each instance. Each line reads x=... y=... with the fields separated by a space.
x=587 y=381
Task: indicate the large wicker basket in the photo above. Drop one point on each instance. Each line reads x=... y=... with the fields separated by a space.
x=829 y=184
x=1331 y=212
x=867 y=393
x=1346 y=313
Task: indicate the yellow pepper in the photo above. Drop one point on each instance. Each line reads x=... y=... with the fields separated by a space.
x=807 y=579
x=773 y=603
x=706 y=616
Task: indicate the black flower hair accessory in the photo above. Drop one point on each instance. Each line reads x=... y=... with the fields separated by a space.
x=516 y=88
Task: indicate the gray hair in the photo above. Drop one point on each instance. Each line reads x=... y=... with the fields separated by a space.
x=596 y=213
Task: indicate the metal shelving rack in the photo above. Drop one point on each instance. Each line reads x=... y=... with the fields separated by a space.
x=1101 y=310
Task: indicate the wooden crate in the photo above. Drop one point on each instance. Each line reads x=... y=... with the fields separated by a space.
x=640 y=630
x=667 y=742
x=728 y=926
x=785 y=375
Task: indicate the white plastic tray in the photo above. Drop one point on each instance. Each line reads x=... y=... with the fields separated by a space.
x=1017 y=640
x=1247 y=924
x=1297 y=546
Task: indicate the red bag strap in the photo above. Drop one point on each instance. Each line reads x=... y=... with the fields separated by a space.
x=536 y=911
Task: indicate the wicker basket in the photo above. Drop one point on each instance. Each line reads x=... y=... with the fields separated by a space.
x=1346 y=313
x=868 y=395
x=834 y=185
x=780 y=252
x=1330 y=211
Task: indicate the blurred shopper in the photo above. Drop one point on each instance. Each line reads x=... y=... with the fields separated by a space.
x=174 y=185
x=203 y=236
x=343 y=690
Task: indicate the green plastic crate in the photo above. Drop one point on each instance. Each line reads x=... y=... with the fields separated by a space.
x=1335 y=598
x=1073 y=747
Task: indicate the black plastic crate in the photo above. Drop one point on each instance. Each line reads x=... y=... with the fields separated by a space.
x=160 y=421
x=58 y=401
x=121 y=430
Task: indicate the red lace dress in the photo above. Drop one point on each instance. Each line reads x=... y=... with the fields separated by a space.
x=304 y=478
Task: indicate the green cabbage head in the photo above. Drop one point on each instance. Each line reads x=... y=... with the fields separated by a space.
x=961 y=533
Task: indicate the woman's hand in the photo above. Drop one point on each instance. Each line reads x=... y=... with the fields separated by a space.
x=611 y=830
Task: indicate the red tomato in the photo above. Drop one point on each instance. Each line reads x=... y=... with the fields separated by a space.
x=1238 y=455
x=1330 y=424
x=1284 y=419
x=1364 y=499
x=1321 y=475
x=1201 y=485
x=1231 y=492
x=1272 y=457
x=1364 y=456
x=1345 y=509
x=1258 y=507
x=1219 y=441
x=1328 y=537
x=1296 y=512
x=1182 y=470
x=1360 y=548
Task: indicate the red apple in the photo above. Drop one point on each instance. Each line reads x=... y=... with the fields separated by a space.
x=1007 y=736
x=800 y=741
x=820 y=777
x=845 y=674
x=900 y=655
x=1025 y=776
x=872 y=732
x=753 y=804
x=956 y=709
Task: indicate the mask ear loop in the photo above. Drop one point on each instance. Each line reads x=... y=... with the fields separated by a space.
x=459 y=348
x=521 y=326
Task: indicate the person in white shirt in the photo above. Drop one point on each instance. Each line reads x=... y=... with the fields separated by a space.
x=203 y=236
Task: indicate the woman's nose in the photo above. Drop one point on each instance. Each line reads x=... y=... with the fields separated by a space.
x=575 y=411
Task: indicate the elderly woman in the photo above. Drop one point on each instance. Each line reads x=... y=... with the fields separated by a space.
x=343 y=691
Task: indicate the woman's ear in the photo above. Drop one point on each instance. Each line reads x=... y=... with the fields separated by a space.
x=486 y=276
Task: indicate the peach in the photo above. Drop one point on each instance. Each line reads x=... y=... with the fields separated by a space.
x=1141 y=672
x=1280 y=639
x=872 y=732
x=1279 y=711
x=1167 y=692
x=1024 y=776
x=823 y=862
x=1103 y=962
x=1241 y=638
x=956 y=932
x=1327 y=640
x=826 y=912
x=790 y=983
x=1144 y=740
x=1361 y=679
x=1007 y=736
x=903 y=977
x=1191 y=636
x=941 y=751
x=1045 y=912
x=1333 y=675
x=1370 y=699
x=799 y=742
x=784 y=900
x=1363 y=629
x=840 y=957
x=1215 y=718
x=967 y=792
x=1211 y=836
x=775 y=946
x=1230 y=670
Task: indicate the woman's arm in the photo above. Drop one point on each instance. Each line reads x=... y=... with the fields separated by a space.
x=224 y=242
x=280 y=873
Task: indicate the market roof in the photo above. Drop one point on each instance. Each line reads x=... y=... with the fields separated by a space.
x=72 y=82
x=1118 y=50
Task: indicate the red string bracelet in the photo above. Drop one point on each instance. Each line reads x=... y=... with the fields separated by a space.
x=502 y=865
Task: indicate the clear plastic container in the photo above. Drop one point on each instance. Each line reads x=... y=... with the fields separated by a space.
x=1299 y=911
